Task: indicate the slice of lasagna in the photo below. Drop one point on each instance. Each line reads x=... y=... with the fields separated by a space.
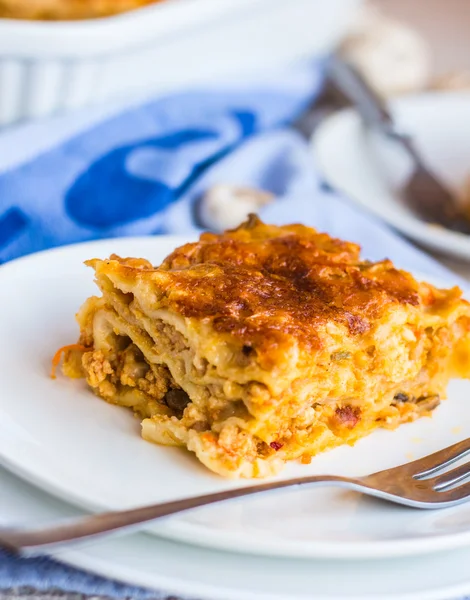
x=58 y=10
x=266 y=344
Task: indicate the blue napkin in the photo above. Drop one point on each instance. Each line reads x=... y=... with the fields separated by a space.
x=122 y=176
x=141 y=171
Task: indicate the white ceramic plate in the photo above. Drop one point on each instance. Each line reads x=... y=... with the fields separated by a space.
x=370 y=170
x=213 y=575
x=60 y=436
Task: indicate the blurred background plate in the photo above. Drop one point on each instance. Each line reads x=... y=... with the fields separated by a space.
x=370 y=169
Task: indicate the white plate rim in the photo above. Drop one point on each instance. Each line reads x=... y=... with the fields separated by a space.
x=104 y=563
x=348 y=120
x=201 y=536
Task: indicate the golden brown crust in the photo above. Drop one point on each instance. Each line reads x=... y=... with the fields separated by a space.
x=261 y=283
x=266 y=344
x=66 y=9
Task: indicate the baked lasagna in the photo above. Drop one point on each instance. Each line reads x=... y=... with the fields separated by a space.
x=266 y=344
x=61 y=10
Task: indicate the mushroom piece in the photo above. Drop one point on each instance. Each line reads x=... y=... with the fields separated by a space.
x=177 y=400
x=393 y=57
x=428 y=403
x=225 y=206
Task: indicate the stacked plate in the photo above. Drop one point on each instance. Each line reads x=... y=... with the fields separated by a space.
x=372 y=170
x=65 y=452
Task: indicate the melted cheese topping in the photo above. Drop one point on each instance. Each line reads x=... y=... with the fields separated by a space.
x=283 y=342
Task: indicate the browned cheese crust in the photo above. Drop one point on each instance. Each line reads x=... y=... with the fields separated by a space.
x=58 y=10
x=266 y=344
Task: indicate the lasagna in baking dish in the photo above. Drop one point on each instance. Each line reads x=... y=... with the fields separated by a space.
x=58 y=10
x=266 y=344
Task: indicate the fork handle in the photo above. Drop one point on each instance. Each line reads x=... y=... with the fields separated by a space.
x=352 y=84
x=36 y=541
x=372 y=108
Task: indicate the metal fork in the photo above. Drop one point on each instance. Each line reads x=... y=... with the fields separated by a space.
x=419 y=484
x=424 y=193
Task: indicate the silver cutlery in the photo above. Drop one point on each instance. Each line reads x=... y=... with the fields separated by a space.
x=423 y=483
x=424 y=193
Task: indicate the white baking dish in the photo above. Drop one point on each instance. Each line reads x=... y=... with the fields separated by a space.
x=50 y=67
